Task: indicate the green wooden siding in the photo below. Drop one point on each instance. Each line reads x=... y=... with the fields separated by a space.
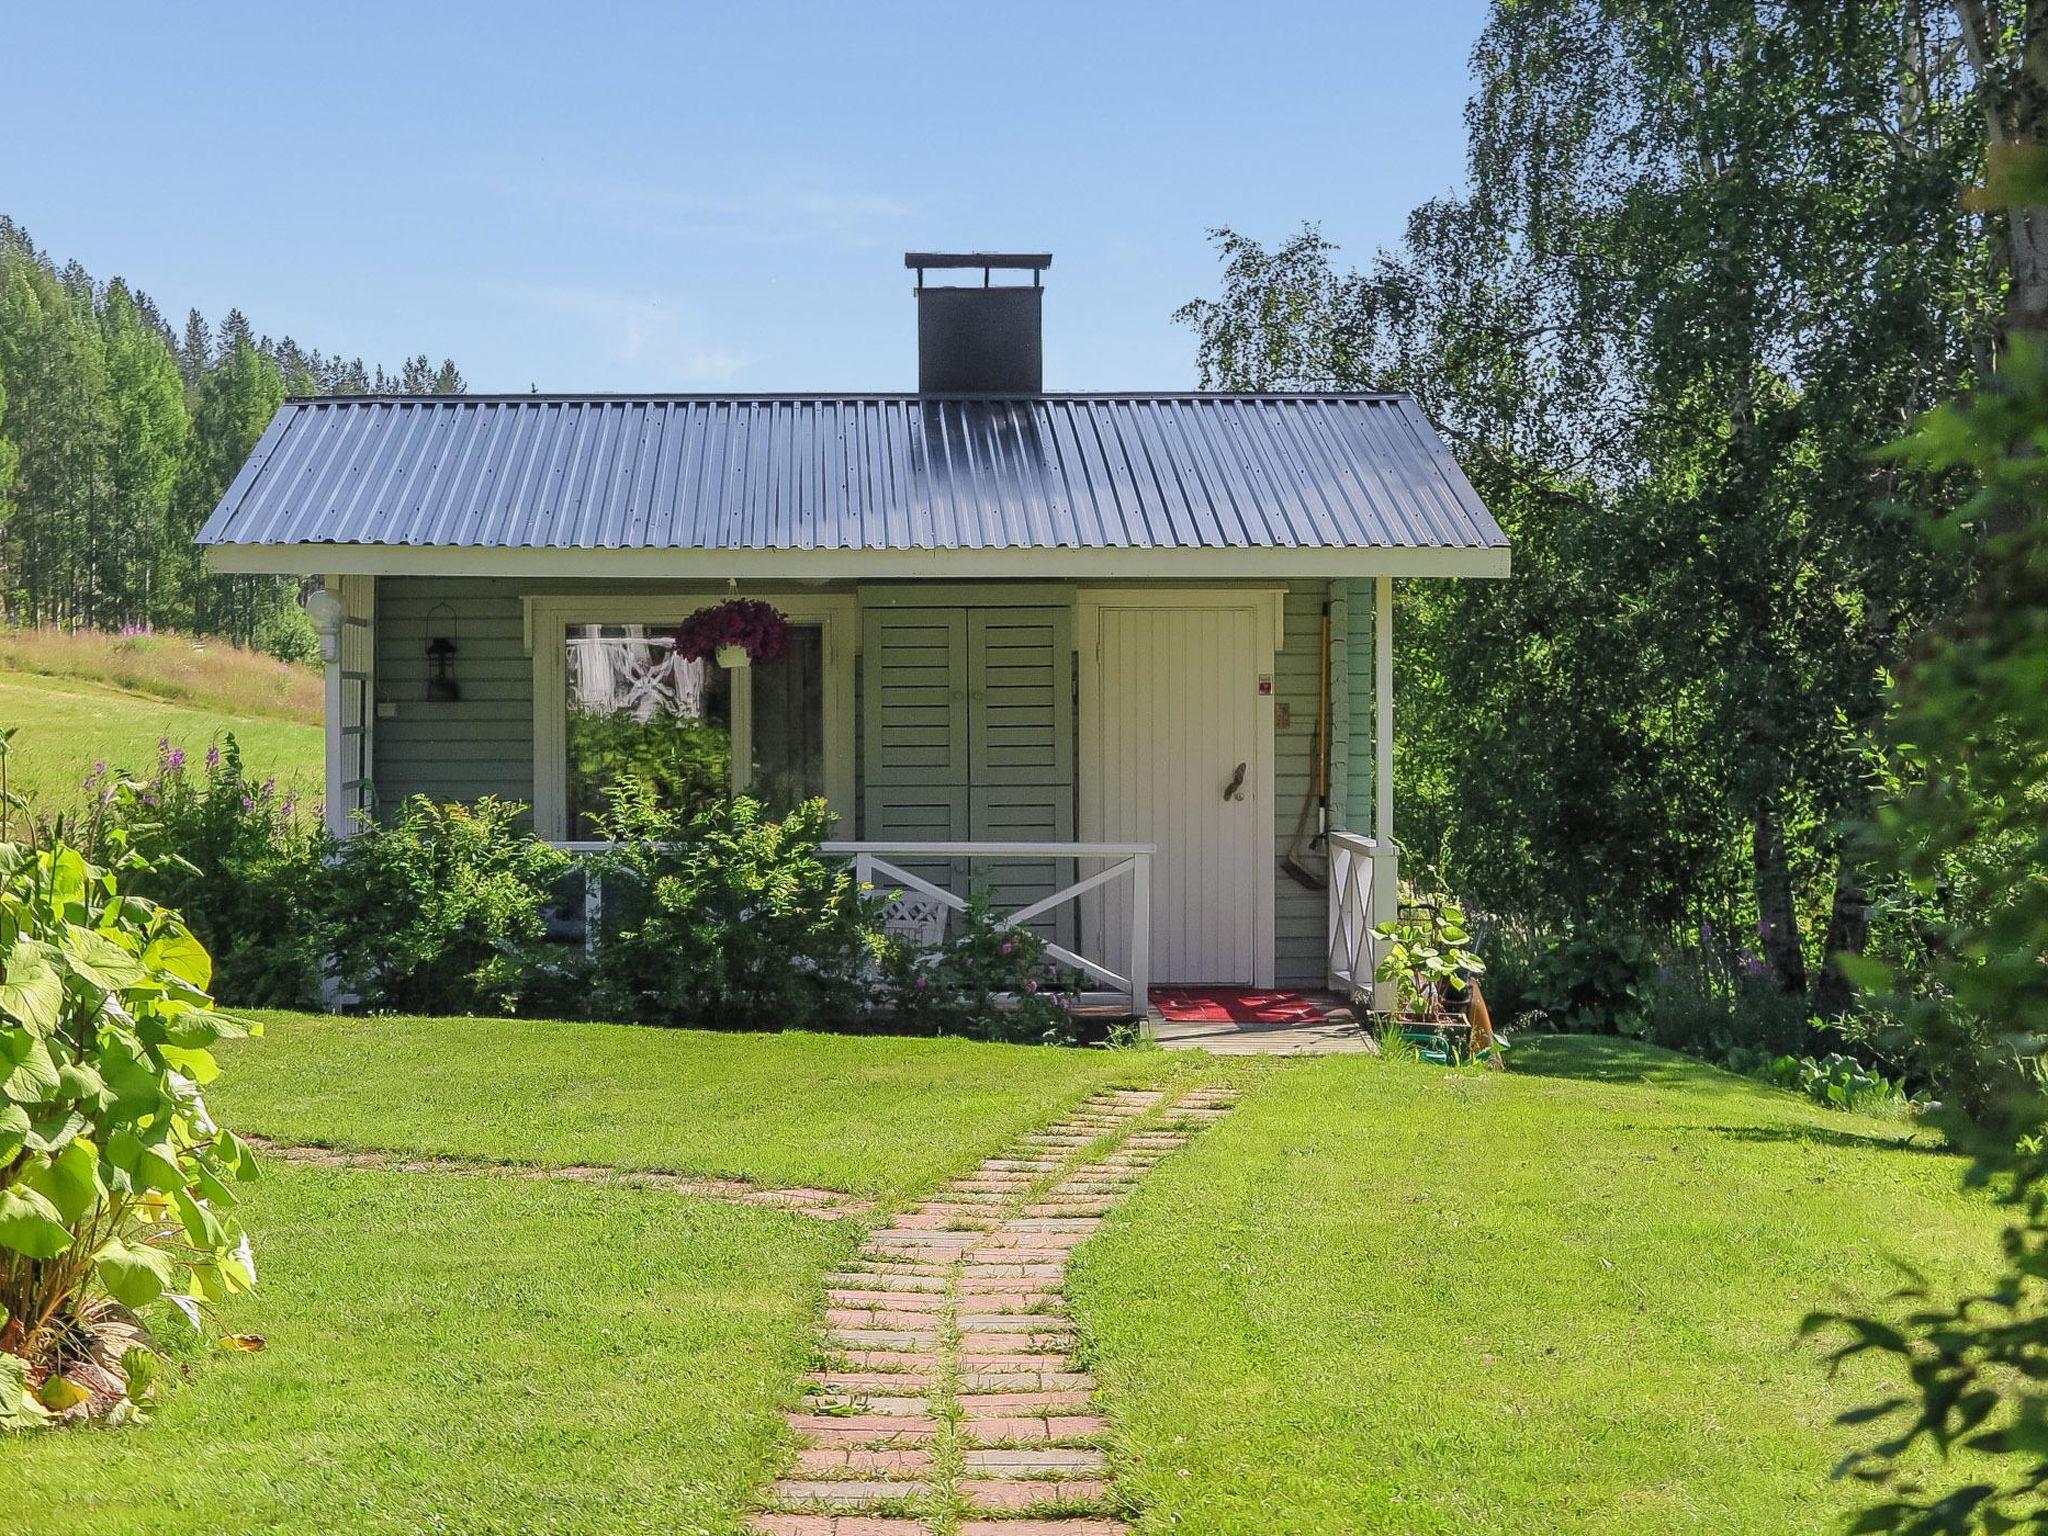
x=1358 y=785
x=1300 y=939
x=480 y=744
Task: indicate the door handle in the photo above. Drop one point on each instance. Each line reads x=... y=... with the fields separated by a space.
x=1234 y=790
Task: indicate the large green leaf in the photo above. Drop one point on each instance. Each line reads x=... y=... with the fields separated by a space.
x=70 y=1181
x=202 y=1227
x=76 y=1081
x=183 y=956
x=18 y=1406
x=56 y=1130
x=31 y=990
x=67 y=882
x=30 y=1226
x=200 y=1066
x=133 y=1273
x=95 y=958
x=31 y=1075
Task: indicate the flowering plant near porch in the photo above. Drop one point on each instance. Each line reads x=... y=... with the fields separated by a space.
x=115 y=1182
x=756 y=627
x=985 y=981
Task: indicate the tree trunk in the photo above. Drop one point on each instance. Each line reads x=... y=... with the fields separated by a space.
x=1777 y=920
x=1848 y=932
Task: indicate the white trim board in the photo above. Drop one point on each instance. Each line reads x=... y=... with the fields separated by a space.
x=1119 y=563
x=548 y=618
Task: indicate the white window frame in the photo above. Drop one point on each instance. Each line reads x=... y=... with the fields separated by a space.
x=547 y=625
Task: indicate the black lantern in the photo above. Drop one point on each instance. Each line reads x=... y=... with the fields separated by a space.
x=441 y=685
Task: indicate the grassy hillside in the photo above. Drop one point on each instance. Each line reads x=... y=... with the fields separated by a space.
x=81 y=700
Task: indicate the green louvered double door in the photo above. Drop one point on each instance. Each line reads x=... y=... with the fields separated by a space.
x=968 y=721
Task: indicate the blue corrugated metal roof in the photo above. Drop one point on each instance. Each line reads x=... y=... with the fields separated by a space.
x=869 y=472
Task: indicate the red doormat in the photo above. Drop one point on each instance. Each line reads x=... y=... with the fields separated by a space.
x=1237 y=1005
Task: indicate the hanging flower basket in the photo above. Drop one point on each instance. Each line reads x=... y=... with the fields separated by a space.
x=735 y=632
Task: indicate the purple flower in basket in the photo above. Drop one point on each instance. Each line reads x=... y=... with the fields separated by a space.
x=1009 y=946
x=757 y=628
x=923 y=982
x=1031 y=986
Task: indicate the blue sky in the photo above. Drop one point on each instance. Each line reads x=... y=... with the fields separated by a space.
x=714 y=196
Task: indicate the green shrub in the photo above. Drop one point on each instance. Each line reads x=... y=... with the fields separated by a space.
x=1708 y=1001
x=986 y=982
x=240 y=860
x=1837 y=1080
x=728 y=917
x=115 y=1183
x=1595 y=981
x=444 y=910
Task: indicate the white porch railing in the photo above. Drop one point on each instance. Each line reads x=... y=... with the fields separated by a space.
x=1131 y=864
x=1363 y=882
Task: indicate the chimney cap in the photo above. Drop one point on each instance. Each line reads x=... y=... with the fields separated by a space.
x=1028 y=261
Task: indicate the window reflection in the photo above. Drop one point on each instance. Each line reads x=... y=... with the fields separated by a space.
x=636 y=707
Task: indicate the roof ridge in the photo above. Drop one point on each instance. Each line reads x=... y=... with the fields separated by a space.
x=602 y=397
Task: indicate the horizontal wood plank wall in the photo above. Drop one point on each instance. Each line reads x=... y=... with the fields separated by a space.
x=480 y=744
x=1300 y=941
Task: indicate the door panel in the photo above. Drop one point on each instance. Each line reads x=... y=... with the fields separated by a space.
x=1021 y=719
x=1175 y=709
x=916 y=695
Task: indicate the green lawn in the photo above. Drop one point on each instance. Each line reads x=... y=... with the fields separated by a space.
x=874 y=1115
x=1377 y=1298
x=461 y=1354
x=453 y=1352
x=68 y=724
x=1381 y=1297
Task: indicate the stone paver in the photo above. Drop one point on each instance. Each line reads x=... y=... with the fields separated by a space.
x=947 y=1402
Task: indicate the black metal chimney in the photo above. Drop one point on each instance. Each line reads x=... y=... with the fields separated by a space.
x=985 y=340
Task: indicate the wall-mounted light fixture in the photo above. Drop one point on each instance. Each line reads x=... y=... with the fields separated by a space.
x=328 y=616
x=441 y=685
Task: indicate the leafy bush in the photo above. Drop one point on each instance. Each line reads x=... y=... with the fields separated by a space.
x=240 y=860
x=728 y=917
x=1708 y=1001
x=1837 y=1080
x=1427 y=952
x=1595 y=981
x=987 y=982
x=444 y=910
x=115 y=1182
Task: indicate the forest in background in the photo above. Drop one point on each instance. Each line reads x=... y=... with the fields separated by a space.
x=118 y=434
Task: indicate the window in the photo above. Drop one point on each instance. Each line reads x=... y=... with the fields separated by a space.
x=613 y=698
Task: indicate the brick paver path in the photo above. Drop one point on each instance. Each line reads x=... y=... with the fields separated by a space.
x=948 y=1402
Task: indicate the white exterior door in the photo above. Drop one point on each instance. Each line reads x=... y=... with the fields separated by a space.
x=1177 y=750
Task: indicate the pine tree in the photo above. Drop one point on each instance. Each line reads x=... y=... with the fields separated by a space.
x=195 y=352
x=148 y=423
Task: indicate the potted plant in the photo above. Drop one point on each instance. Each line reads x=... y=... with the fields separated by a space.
x=735 y=633
x=1426 y=953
